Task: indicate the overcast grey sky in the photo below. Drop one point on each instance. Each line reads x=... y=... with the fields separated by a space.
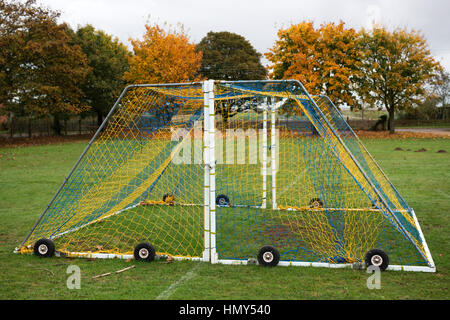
x=259 y=20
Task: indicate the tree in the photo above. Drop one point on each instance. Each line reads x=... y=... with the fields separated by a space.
x=39 y=69
x=396 y=69
x=229 y=56
x=163 y=57
x=324 y=59
x=108 y=61
x=441 y=87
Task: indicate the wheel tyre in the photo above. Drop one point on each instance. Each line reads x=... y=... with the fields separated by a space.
x=222 y=200
x=378 y=258
x=316 y=203
x=144 y=252
x=268 y=256
x=44 y=248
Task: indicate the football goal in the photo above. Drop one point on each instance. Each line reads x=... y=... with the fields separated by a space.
x=231 y=172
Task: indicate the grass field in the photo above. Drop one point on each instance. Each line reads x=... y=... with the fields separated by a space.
x=30 y=175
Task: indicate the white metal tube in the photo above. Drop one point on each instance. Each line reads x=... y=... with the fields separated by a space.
x=212 y=173
x=425 y=245
x=207 y=246
x=273 y=157
x=91 y=255
x=264 y=157
x=330 y=265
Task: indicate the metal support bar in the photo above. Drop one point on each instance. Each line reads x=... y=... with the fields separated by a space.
x=273 y=157
x=207 y=246
x=264 y=156
x=212 y=170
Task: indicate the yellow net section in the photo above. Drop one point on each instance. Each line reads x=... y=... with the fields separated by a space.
x=141 y=180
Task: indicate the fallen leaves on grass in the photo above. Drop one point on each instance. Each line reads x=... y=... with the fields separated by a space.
x=398 y=135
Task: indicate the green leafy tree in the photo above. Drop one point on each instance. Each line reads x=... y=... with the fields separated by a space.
x=441 y=90
x=229 y=56
x=40 y=70
x=108 y=61
x=396 y=70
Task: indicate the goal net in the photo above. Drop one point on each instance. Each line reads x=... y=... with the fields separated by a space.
x=216 y=170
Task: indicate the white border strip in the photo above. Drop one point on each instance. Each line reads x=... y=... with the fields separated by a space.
x=264 y=156
x=273 y=156
x=212 y=171
x=118 y=256
x=242 y=262
x=206 y=171
x=332 y=265
x=425 y=245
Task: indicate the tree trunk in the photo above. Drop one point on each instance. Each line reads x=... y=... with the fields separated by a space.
x=56 y=125
x=48 y=125
x=29 y=127
x=391 y=120
x=99 y=118
x=11 y=125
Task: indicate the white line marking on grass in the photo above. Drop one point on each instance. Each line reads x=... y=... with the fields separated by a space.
x=171 y=289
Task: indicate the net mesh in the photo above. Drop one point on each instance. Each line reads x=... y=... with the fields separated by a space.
x=289 y=172
x=134 y=183
x=332 y=203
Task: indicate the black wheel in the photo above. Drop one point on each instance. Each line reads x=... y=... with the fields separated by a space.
x=144 y=252
x=378 y=258
x=169 y=198
x=316 y=203
x=222 y=200
x=268 y=256
x=44 y=248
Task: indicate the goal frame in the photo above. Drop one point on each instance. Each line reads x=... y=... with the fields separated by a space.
x=210 y=166
x=210 y=253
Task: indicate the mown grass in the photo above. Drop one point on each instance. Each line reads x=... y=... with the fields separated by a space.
x=30 y=175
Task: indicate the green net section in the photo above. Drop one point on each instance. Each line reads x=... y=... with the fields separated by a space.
x=308 y=196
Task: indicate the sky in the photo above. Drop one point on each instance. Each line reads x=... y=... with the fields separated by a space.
x=259 y=20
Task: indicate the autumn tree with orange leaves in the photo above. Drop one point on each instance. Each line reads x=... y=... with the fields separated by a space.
x=163 y=57
x=324 y=59
x=379 y=68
